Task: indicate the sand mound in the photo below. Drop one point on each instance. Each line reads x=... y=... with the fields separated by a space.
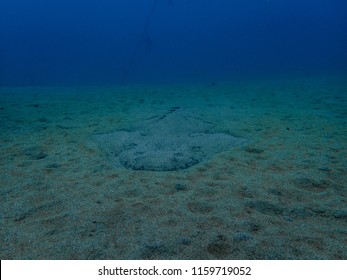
x=171 y=141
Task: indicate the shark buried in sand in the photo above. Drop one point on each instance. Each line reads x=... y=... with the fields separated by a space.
x=172 y=141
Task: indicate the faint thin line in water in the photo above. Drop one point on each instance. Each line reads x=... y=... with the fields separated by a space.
x=136 y=50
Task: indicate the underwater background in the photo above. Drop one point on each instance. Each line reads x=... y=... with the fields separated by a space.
x=173 y=129
x=79 y=42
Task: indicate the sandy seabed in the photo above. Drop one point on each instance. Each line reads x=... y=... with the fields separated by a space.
x=280 y=196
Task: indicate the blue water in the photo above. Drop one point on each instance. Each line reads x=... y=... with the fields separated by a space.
x=108 y=42
x=173 y=129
